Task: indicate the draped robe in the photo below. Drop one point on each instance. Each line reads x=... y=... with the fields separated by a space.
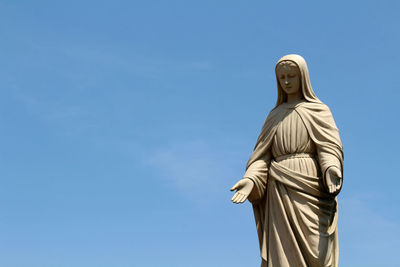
x=295 y=216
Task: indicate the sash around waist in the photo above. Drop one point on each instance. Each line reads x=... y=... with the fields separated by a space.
x=307 y=187
x=294 y=156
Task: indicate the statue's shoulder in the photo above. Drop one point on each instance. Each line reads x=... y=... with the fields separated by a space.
x=276 y=111
x=313 y=107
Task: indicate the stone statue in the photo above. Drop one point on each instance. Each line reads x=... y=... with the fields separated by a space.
x=294 y=174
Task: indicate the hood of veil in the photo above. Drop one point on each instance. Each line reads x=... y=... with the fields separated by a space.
x=306 y=88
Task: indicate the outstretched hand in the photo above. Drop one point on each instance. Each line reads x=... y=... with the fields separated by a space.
x=244 y=188
x=333 y=180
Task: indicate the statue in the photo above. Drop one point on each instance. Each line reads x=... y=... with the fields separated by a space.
x=294 y=175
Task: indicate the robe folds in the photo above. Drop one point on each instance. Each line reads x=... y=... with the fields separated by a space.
x=296 y=218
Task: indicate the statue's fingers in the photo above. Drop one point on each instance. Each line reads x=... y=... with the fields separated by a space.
x=328 y=181
x=339 y=184
x=236 y=186
x=239 y=198
x=331 y=188
x=338 y=173
x=242 y=199
x=236 y=197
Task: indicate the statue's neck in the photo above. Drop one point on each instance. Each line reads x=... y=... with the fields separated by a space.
x=292 y=98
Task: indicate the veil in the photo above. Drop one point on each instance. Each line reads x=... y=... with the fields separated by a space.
x=306 y=88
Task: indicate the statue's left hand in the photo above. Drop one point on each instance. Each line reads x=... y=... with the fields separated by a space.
x=333 y=180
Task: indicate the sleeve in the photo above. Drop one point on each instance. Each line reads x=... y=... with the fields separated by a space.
x=327 y=160
x=258 y=173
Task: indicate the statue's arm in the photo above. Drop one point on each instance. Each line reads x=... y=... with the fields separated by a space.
x=327 y=160
x=254 y=182
x=258 y=173
x=331 y=169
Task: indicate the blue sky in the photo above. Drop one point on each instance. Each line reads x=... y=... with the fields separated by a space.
x=123 y=124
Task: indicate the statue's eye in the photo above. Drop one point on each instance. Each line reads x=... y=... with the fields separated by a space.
x=292 y=75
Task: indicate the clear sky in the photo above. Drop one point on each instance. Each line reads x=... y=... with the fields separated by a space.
x=123 y=124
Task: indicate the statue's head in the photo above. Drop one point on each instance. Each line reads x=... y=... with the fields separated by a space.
x=288 y=74
x=292 y=76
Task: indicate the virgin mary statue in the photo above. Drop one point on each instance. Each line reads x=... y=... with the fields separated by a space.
x=294 y=174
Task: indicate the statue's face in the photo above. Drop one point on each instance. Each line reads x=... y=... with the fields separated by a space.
x=289 y=77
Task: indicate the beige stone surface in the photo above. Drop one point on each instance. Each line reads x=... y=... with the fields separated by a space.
x=294 y=174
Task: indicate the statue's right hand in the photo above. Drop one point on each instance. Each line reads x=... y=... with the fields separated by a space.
x=244 y=188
